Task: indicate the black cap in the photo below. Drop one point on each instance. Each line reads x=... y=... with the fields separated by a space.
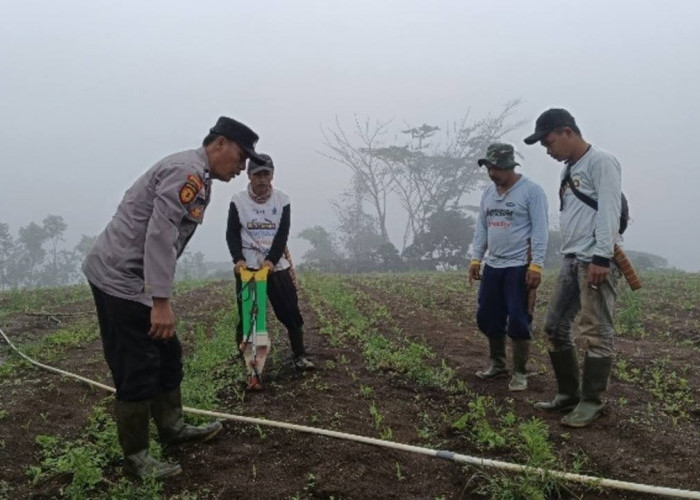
x=549 y=120
x=266 y=165
x=238 y=133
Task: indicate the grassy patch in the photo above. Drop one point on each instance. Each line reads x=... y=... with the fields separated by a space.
x=51 y=347
x=38 y=299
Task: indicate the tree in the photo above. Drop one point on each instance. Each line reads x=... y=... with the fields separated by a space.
x=432 y=176
x=7 y=253
x=359 y=236
x=54 y=227
x=445 y=242
x=191 y=266
x=83 y=247
x=31 y=254
x=387 y=258
x=323 y=254
x=372 y=177
x=429 y=170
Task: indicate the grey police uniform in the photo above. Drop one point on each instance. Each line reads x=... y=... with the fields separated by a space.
x=133 y=260
x=135 y=256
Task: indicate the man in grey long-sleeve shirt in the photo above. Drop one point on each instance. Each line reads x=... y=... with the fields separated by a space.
x=513 y=226
x=131 y=269
x=588 y=278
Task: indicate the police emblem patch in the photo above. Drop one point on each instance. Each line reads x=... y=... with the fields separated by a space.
x=187 y=193
x=192 y=186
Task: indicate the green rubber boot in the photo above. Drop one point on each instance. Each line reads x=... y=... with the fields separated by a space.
x=521 y=351
x=596 y=372
x=565 y=364
x=166 y=409
x=132 y=428
x=497 y=353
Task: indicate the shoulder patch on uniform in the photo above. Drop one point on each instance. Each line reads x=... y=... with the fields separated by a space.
x=190 y=189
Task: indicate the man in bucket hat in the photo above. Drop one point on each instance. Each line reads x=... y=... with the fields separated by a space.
x=131 y=268
x=512 y=225
x=587 y=281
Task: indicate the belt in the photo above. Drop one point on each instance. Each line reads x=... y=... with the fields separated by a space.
x=570 y=256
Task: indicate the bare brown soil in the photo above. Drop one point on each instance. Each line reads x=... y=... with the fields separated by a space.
x=634 y=441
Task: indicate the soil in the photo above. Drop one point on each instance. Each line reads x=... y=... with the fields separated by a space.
x=634 y=440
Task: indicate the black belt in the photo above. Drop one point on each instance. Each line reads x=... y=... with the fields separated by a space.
x=570 y=256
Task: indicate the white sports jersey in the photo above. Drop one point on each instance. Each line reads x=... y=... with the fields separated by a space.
x=259 y=224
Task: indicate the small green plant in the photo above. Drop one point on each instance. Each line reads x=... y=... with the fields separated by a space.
x=365 y=390
x=261 y=432
x=476 y=422
x=534 y=441
x=629 y=317
x=399 y=474
x=378 y=417
x=310 y=483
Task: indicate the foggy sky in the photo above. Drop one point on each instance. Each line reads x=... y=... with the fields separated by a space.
x=93 y=93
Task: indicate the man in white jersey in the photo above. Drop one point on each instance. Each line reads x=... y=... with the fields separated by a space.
x=257 y=232
x=512 y=225
x=588 y=276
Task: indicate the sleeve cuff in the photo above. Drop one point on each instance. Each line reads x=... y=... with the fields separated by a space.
x=601 y=261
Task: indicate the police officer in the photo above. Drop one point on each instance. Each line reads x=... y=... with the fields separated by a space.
x=131 y=269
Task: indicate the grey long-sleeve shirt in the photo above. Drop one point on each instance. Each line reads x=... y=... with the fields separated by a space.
x=135 y=256
x=506 y=222
x=586 y=232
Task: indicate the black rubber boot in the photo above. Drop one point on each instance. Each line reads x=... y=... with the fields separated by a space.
x=521 y=352
x=497 y=353
x=565 y=364
x=166 y=408
x=132 y=428
x=596 y=373
x=296 y=339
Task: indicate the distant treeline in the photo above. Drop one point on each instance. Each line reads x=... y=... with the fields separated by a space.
x=37 y=257
x=447 y=249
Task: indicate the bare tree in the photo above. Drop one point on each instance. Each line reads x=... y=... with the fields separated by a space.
x=430 y=177
x=373 y=177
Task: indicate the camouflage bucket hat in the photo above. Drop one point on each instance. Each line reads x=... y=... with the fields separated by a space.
x=500 y=156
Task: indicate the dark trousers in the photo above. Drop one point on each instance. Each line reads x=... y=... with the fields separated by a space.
x=285 y=302
x=503 y=303
x=141 y=367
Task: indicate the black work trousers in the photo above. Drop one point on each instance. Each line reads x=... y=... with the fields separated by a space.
x=285 y=302
x=141 y=366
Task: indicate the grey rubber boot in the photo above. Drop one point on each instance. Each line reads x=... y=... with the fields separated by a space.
x=497 y=353
x=521 y=351
x=596 y=373
x=132 y=428
x=565 y=364
x=166 y=409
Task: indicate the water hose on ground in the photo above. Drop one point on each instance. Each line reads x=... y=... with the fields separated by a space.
x=448 y=455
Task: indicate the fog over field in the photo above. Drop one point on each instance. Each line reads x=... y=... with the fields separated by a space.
x=92 y=93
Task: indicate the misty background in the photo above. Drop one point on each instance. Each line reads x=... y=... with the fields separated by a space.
x=94 y=93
